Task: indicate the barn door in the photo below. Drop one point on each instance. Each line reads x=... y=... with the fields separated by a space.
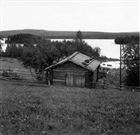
x=73 y=79
x=79 y=80
x=69 y=79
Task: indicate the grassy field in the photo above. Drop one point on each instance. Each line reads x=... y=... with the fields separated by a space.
x=16 y=66
x=52 y=110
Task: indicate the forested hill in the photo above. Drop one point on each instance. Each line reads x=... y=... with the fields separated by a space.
x=68 y=34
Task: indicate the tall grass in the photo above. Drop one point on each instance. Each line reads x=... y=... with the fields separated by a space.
x=59 y=110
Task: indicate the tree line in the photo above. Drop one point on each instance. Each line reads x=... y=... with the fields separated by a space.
x=130 y=59
x=38 y=52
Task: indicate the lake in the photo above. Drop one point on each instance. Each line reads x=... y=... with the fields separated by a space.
x=108 y=47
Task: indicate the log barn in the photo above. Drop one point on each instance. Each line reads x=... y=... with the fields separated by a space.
x=77 y=70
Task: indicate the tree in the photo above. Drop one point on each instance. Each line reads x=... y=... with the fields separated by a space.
x=130 y=58
x=39 y=53
x=13 y=50
x=39 y=56
x=97 y=51
x=0 y=45
x=79 y=37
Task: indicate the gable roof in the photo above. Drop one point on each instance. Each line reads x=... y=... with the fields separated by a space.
x=79 y=59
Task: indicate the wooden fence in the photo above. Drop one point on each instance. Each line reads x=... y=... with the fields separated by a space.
x=20 y=76
x=30 y=78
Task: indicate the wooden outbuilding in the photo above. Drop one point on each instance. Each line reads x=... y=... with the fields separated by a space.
x=77 y=70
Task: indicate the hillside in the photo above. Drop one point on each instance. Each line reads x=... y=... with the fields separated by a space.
x=14 y=66
x=52 y=110
x=68 y=34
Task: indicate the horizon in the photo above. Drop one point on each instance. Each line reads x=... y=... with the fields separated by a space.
x=87 y=16
x=73 y=31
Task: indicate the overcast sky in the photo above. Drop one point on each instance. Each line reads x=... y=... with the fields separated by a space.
x=105 y=16
x=114 y=16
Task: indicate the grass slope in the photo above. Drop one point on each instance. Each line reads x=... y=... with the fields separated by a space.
x=69 y=34
x=67 y=111
x=16 y=66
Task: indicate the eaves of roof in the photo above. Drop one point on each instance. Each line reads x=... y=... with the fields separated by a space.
x=78 y=59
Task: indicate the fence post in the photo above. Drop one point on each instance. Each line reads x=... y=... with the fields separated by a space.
x=9 y=75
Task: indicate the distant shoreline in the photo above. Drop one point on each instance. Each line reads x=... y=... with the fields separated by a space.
x=68 y=34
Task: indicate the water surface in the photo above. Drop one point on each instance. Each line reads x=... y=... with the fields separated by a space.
x=108 y=47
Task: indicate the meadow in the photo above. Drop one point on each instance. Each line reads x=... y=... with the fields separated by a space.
x=54 y=110
x=15 y=66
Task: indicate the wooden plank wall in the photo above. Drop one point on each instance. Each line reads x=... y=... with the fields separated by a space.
x=69 y=79
x=71 y=66
x=70 y=74
x=89 y=79
x=79 y=80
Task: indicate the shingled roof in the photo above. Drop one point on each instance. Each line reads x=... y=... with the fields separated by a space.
x=79 y=59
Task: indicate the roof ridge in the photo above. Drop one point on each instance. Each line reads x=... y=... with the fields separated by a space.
x=64 y=60
x=70 y=58
x=72 y=55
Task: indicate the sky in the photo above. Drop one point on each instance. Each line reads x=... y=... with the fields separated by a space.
x=104 y=16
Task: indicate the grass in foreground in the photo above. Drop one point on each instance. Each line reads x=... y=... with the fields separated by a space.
x=54 y=110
